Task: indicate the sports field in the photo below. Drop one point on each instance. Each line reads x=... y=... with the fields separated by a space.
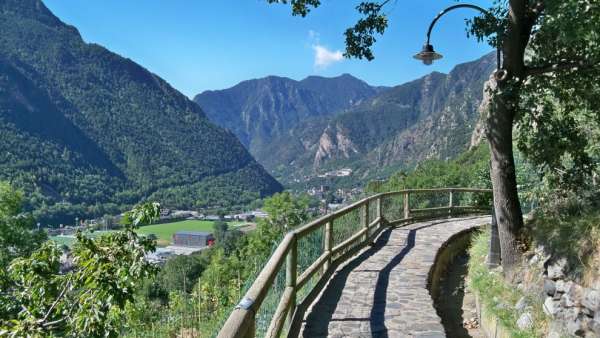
x=164 y=232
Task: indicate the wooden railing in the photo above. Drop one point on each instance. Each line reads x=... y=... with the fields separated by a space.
x=242 y=321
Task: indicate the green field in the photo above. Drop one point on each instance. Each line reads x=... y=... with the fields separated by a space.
x=164 y=232
x=70 y=239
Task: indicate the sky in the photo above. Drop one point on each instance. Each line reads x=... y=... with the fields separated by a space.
x=199 y=45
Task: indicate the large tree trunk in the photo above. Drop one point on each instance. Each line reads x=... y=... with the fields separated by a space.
x=502 y=112
x=504 y=180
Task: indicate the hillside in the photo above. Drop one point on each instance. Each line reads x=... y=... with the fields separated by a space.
x=87 y=131
x=260 y=110
x=385 y=130
x=429 y=118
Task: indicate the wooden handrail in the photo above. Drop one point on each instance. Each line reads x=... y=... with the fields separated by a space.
x=241 y=322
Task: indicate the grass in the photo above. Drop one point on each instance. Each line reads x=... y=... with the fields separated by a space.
x=574 y=235
x=164 y=232
x=499 y=296
x=70 y=239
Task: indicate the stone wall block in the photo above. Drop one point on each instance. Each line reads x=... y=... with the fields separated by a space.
x=549 y=287
x=595 y=324
x=573 y=296
x=525 y=321
x=551 y=306
x=591 y=300
x=576 y=322
x=557 y=268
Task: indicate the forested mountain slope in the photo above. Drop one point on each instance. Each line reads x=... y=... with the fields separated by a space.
x=432 y=117
x=86 y=130
x=391 y=128
x=259 y=110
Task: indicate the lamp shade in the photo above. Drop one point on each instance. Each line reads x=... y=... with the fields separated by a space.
x=428 y=55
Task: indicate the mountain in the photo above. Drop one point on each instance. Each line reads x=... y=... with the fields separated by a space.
x=432 y=117
x=259 y=110
x=375 y=134
x=86 y=131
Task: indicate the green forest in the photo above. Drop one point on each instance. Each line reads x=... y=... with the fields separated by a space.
x=118 y=133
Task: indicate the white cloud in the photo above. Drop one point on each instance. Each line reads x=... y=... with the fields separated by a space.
x=325 y=57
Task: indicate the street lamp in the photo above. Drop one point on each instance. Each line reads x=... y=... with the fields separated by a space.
x=428 y=54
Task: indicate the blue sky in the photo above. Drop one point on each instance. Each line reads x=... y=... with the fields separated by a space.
x=199 y=45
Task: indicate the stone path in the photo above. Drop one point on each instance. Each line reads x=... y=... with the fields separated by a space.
x=382 y=292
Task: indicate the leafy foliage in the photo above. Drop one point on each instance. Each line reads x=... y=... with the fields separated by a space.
x=361 y=37
x=89 y=298
x=221 y=274
x=470 y=169
x=568 y=226
x=558 y=113
x=17 y=235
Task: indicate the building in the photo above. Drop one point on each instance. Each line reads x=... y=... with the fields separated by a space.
x=194 y=239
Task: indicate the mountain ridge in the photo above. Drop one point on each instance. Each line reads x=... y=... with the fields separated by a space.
x=259 y=109
x=103 y=120
x=389 y=127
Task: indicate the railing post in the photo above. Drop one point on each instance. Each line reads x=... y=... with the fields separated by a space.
x=451 y=202
x=366 y=220
x=406 y=205
x=378 y=211
x=291 y=270
x=328 y=243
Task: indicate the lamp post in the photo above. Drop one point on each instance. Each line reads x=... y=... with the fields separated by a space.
x=428 y=54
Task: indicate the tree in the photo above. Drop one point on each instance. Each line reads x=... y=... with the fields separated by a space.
x=219 y=230
x=89 y=300
x=549 y=68
x=17 y=234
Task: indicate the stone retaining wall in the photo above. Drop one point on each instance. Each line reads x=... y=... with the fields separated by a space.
x=575 y=309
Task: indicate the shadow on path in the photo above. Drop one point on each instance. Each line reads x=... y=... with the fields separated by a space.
x=321 y=315
x=377 y=317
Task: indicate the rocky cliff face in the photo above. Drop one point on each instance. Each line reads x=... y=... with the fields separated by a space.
x=293 y=131
x=479 y=131
x=333 y=143
x=432 y=117
x=258 y=111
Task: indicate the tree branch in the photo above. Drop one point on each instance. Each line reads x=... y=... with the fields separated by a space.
x=60 y=296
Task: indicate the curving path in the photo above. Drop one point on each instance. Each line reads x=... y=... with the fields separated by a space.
x=382 y=292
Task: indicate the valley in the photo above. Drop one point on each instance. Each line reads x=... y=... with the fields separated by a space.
x=86 y=132
x=211 y=169
x=374 y=131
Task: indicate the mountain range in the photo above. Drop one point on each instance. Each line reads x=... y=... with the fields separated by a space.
x=258 y=111
x=301 y=129
x=85 y=131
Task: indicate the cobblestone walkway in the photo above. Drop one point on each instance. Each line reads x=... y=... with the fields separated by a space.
x=382 y=292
